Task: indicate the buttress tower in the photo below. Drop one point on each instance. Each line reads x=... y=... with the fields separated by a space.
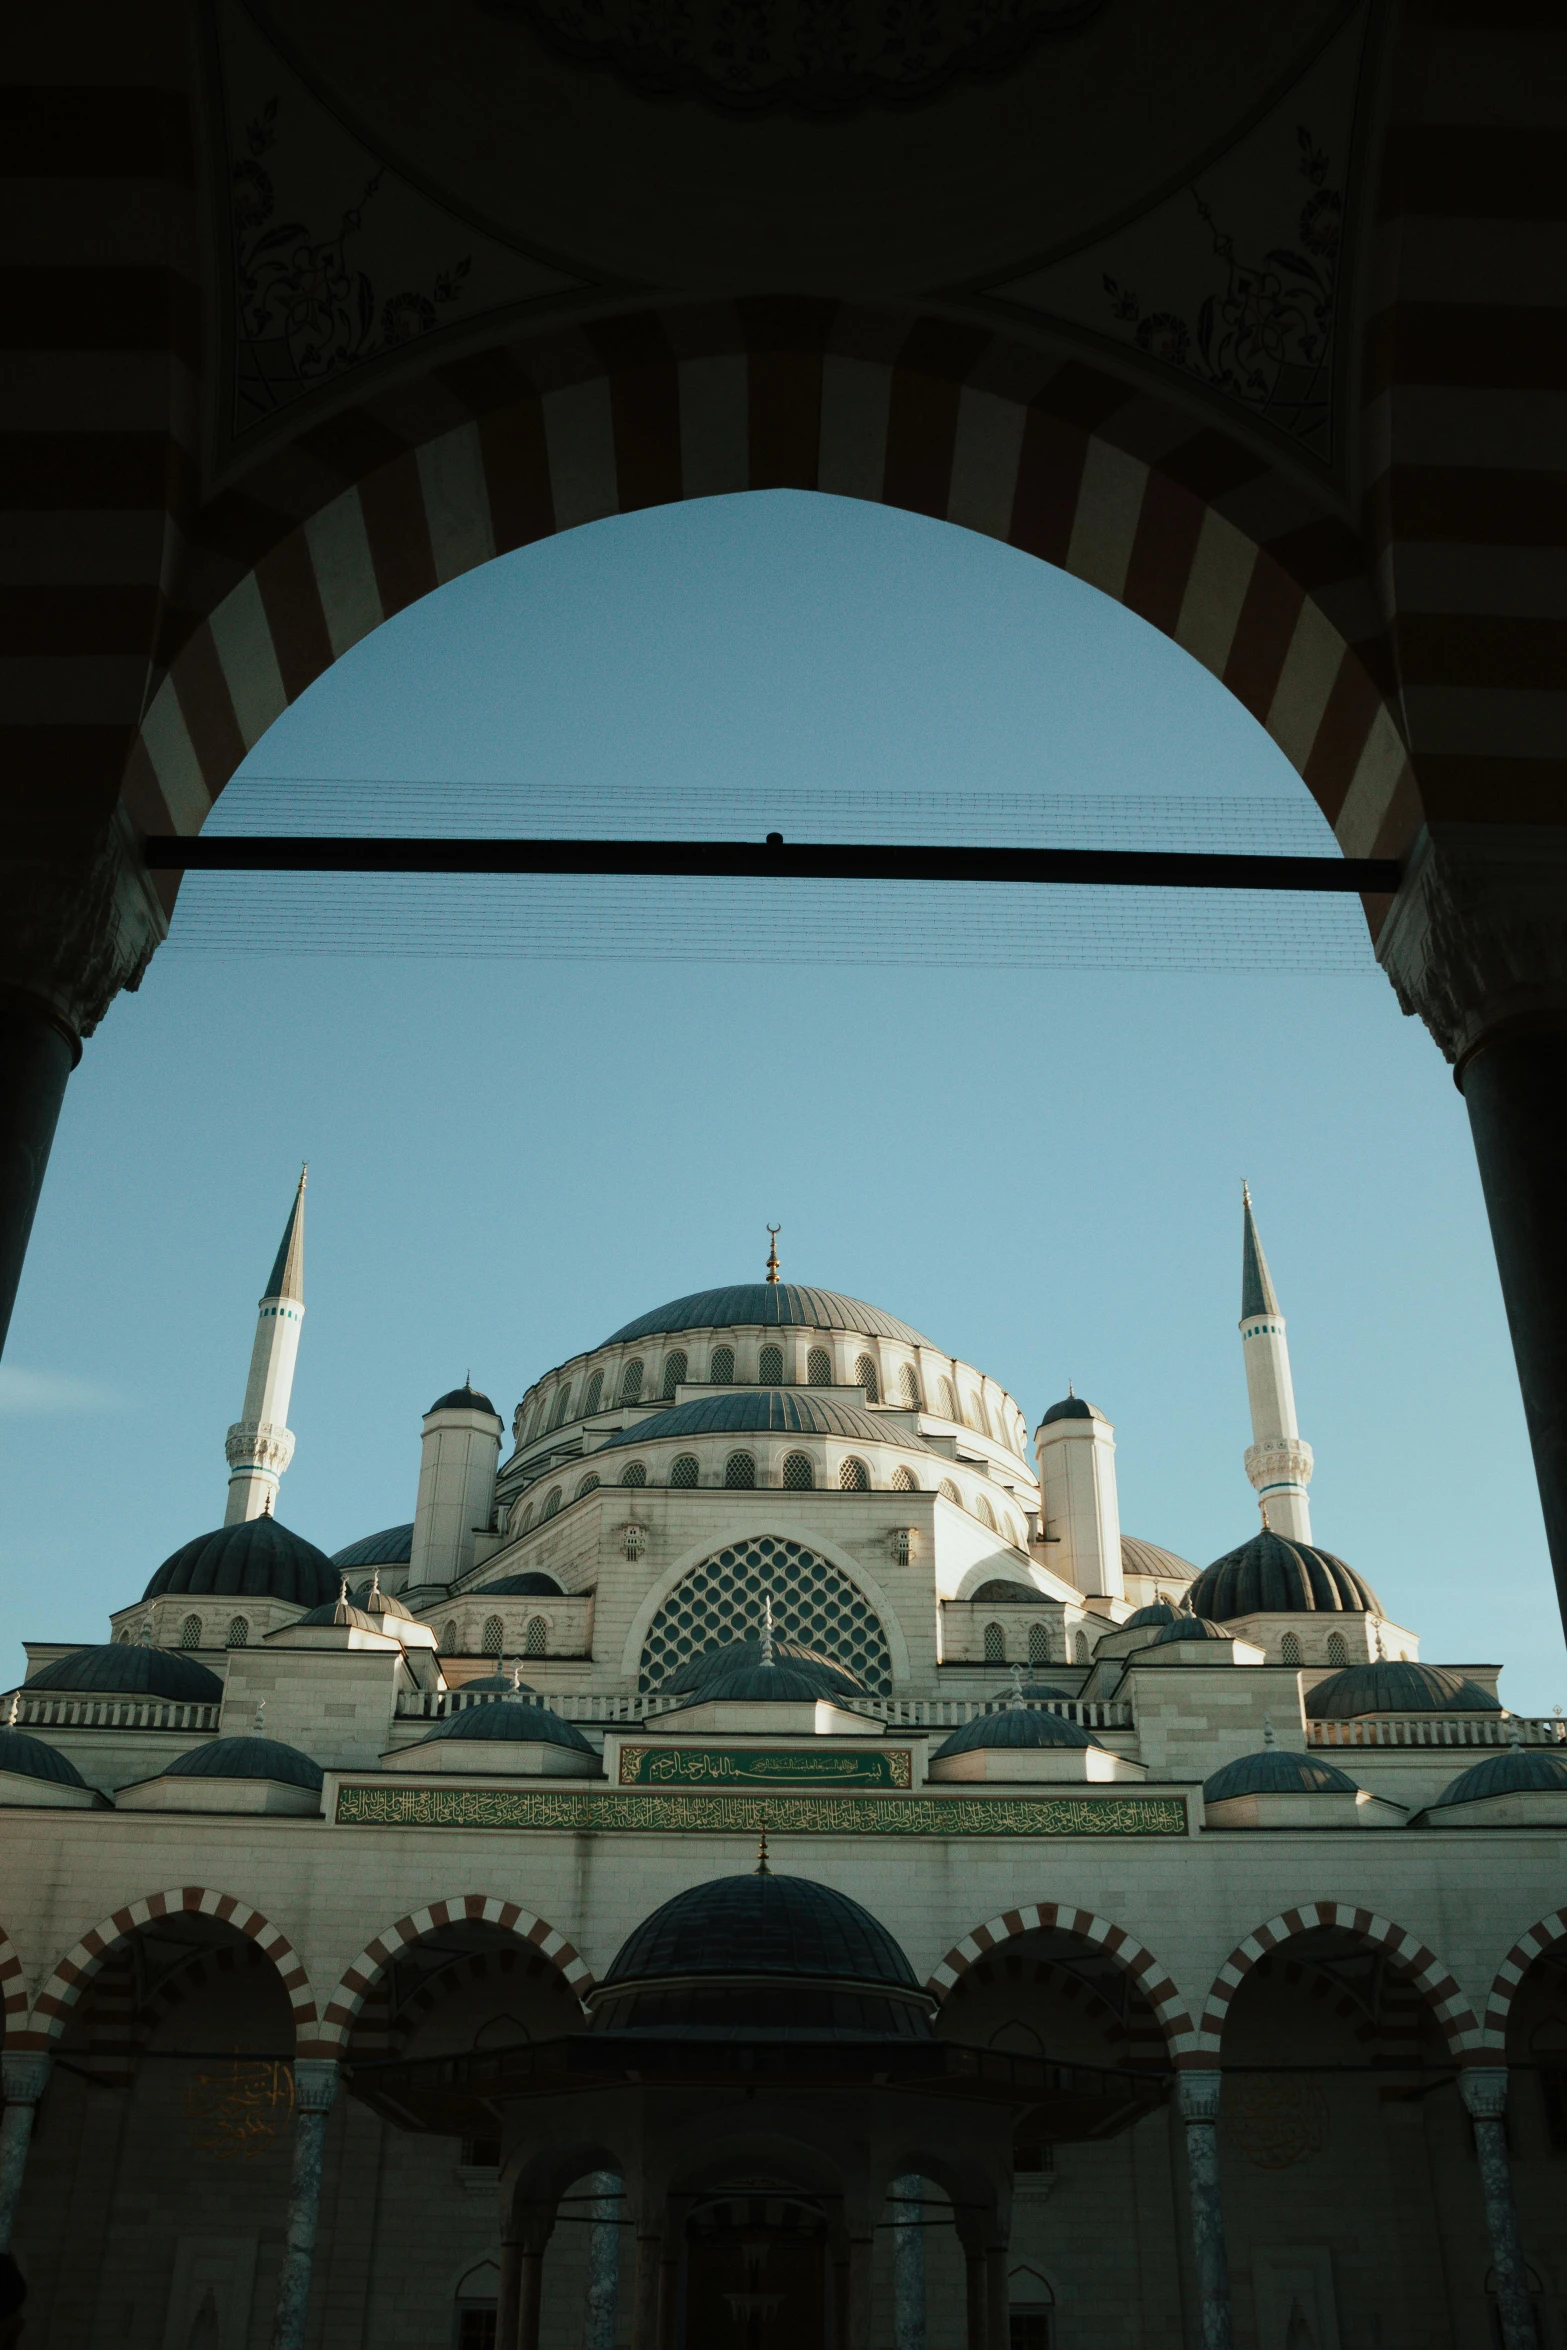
x=260 y=1445
x=1278 y=1459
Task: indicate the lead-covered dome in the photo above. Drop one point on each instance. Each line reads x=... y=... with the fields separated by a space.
x=1276 y=1771
x=392 y=1547
x=1389 y=1687
x=697 y=1675
x=784 y=1681
x=522 y=1724
x=769 y=1305
x=1272 y=1576
x=1015 y=1725
x=1188 y=1628
x=534 y=1585
x=1073 y=1407
x=35 y=1758
x=1150 y=1618
x=1518 y=1770
x=257 y=1559
x=248 y=1758
x=768 y=1411
x=120 y=1670
x=464 y=1399
x=762 y=1954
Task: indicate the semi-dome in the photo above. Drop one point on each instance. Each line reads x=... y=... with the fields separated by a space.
x=1389 y=1687
x=463 y=1399
x=768 y=1411
x=698 y=1673
x=257 y=1559
x=1157 y=1612
x=521 y=1724
x=248 y=1758
x=1072 y=1407
x=35 y=1758
x=1151 y=1559
x=1519 y=1770
x=770 y=1305
x=1188 y=1628
x=536 y=1585
x=120 y=1669
x=1015 y=1725
x=1272 y=1576
x=1276 y=1771
x=765 y=1954
x=392 y=1547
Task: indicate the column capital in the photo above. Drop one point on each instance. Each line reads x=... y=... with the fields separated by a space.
x=79 y=915
x=1477 y=936
x=25 y=2075
x=1197 y=2093
x=1483 y=2088
x=315 y=2083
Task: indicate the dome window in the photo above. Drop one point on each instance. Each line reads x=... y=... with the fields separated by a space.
x=721 y=1370
x=904 y=1480
x=631 y=1380
x=949 y=1400
x=985 y=1514
x=562 y=1407
x=674 y=1373
x=636 y=1473
x=949 y=1491
x=1080 y=1648
x=449 y=1639
x=239 y=1633
x=494 y=1635
x=995 y=1645
x=798 y=1474
x=190 y=1632
x=865 y=1376
x=818 y=1367
x=1338 y=1649
x=684 y=1471
x=1039 y=1644
x=535 y=1636
x=854 y=1476
x=769 y=1366
x=909 y=1387
x=595 y=1390
x=1289 y=1649
x=587 y=1484
x=739 y=1470
x=552 y=1501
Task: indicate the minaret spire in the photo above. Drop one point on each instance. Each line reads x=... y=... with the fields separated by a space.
x=260 y=1445
x=1278 y=1460
x=772 y=1255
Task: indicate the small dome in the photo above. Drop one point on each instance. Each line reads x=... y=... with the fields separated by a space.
x=532 y=1586
x=1519 y=1770
x=520 y=1724
x=247 y=1758
x=695 y=1673
x=1016 y=1725
x=257 y=1559
x=787 y=1681
x=1147 y=1558
x=120 y=1670
x=1274 y=1771
x=767 y=1411
x=1269 y=1576
x=35 y=1758
x=463 y=1399
x=1000 y=1593
x=377 y=1602
x=1386 y=1687
x=494 y=1685
x=1158 y=1611
x=1188 y=1628
x=1072 y=1407
x=339 y=1611
x=770 y=1305
x=392 y=1547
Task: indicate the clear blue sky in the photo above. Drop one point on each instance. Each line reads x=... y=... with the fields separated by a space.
x=1041 y=1168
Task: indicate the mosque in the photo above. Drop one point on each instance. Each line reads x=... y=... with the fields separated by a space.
x=767 y=1861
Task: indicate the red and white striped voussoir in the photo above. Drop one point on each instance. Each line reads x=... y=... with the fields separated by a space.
x=1419 y=1965
x=71 y=1977
x=1498 y=2007
x=510 y=1916
x=1153 y=1979
x=13 y=1986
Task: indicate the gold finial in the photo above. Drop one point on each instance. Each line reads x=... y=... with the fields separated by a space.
x=772 y=1255
x=1262 y=1504
x=762 y=1868
x=767 y=1628
x=374 y=1601
x=1245 y=1193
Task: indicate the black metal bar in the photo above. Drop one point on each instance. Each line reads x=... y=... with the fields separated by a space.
x=774 y=858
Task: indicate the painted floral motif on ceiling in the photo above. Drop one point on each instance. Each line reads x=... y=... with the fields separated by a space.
x=1233 y=282
x=814 y=56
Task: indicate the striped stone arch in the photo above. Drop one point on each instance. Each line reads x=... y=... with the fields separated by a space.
x=346 y=2001
x=1152 y=1978
x=1412 y=1959
x=1547 y=1935
x=13 y=1990
x=1197 y=533
x=75 y=1971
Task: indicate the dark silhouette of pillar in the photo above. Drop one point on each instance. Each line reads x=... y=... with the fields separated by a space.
x=37 y=1054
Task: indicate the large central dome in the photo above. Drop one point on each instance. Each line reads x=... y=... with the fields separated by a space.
x=769 y=1305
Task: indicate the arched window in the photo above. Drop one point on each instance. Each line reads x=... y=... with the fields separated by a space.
x=587 y=1484
x=725 y=1599
x=562 y=1407
x=449 y=1640
x=971 y=1415
x=854 y=1476
x=552 y=1501
x=1289 y=1649
x=949 y=1400
x=590 y=1402
x=994 y=1417
x=995 y=1645
x=494 y=1635
x=674 y=1373
x=818 y=1367
x=239 y=1632
x=769 y=1366
x=949 y=1491
x=631 y=1380
x=1338 y=1649
x=190 y=1632
x=1039 y=1644
x=684 y=1471
x=526 y=1519
x=1080 y=1648
x=721 y=1370
x=909 y=1386
x=799 y=1476
x=983 y=1511
x=904 y=1481
x=533 y=1421
x=535 y=1636
x=636 y=1473
x=739 y=1469
x=865 y=1376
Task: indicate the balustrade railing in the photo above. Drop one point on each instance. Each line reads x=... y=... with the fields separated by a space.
x=898 y=1712
x=1439 y=1730
x=49 y=1711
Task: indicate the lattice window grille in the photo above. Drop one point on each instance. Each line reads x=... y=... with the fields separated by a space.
x=995 y=1645
x=1039 y=1644
x=535 y=1636
x=721 y=1370
x=854 y=1477
x=799 y=1475
x=949 y=1491
x=909 y=1387
x=739 y=1470
x=562 y=1407
x=631 y=1380
x=595 y=1389
x=190 y=1632
x=904 y=1481
x=769 y=1366
x=239 y=1632
x=985 y=1514
x=552 y=1501
x=1080 y=1648
x=949 y=1400
x=818 y=1367
x=721 y=1601
x=587 y=1484
x=674 y=1374
x=1289 y=1649
x=636 y=1474
x=685 y=1470
x=1338 y=1649
x=449 y=1639
x=494 y=1635
x=865 y=1376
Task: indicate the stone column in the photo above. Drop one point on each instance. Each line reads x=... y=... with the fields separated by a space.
x=1476 y=943
x=315 y=2087
x=862 y=2272
x=644 y=2303
x=509 y=2299
x=1483 y=2088
x=908 y=2262
x=998 y=2299
x=1197 y=2095
x=974 y=2308
x=598 y=2325
x=25 y=2077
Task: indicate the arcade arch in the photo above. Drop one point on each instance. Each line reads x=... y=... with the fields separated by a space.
x=1403 y=1951
x=455 y=1919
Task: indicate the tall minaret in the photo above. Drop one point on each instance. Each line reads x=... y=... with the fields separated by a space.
x=1278 y=1460
x=261 y=1445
